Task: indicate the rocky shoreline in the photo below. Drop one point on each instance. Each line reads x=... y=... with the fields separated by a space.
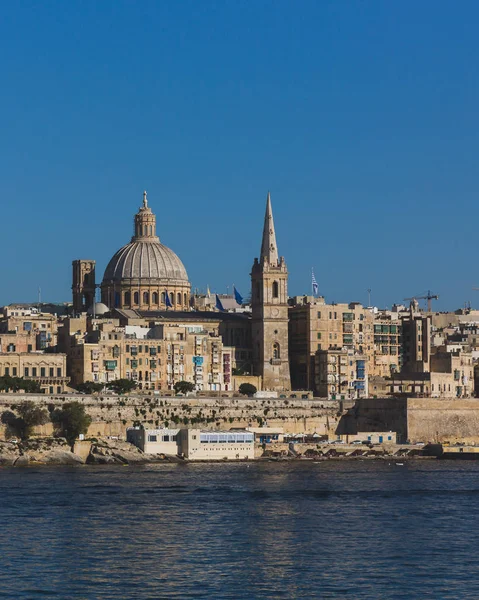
x=56 y=451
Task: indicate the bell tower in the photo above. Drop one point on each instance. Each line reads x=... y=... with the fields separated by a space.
x=83 y=285
x=269 y=304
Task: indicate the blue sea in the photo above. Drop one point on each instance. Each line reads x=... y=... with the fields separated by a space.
x=352 y=529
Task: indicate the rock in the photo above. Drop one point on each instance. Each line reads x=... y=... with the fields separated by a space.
x=50 y=451
x=118 y=452
x=9 y=453
x=62 y=457
x=22 y=461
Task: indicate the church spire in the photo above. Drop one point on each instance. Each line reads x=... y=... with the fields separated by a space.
x=269 y=249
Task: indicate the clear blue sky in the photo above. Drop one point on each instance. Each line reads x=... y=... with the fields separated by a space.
x=361 y=118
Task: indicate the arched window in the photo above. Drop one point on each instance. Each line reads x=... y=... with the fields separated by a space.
x=276 y=352
x=178 y=298
x=186 y=300
x=127 y=299
x=136 y=298
x=154 y=298
x=275 y=289
x=151 y=229
x=163 y=298
x=172 y=298
x=146 y=298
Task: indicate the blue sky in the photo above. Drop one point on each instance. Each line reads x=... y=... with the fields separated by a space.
x=360 y=118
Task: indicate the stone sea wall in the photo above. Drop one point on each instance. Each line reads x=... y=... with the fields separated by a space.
x=111 y=415
x=416 y=419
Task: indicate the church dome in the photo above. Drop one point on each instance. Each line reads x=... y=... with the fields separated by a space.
x=145 y=274
x=145 y=260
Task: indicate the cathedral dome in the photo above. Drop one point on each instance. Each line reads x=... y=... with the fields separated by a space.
x=145 y=274
x=145 y=260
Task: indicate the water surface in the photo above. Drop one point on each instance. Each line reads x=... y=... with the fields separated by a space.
x=352 y=529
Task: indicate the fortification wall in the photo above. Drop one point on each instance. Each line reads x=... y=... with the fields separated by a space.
x=416 y=419
x=441 y=420
x=111 y=415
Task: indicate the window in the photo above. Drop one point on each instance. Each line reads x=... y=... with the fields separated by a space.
x=59 y=371
x=275 y=289
x=146 y=298
x=319 y=346
x=51 y=372
x=14 y=369
x=127 y=298
x=186 y=299
x=319 y=335
x=152 y=438
x=34 y=371
x=154 y=298
x=163 y=298
x=319 y=314
x=25 y=372
x=136 y=298
x=276 y=351
x=172 y=297
x=42 y=371
x=178 y=298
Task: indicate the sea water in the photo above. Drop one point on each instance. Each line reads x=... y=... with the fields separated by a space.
x=352 y=529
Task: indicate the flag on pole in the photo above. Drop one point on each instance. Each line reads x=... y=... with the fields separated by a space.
x=314 y=284
x=219 y=305
x=167 y=300
x=238 y=296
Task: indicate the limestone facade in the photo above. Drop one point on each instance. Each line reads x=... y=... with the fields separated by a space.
x=269 y=305
x=48 y=369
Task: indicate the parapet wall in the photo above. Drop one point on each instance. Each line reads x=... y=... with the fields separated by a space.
x=111 y=415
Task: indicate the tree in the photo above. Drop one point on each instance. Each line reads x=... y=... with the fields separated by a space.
x=247 y=389
x=183 y=387
x=122 y=386
x=28 y=416
x=70 y=420
x=90 y=387
x=15 y=384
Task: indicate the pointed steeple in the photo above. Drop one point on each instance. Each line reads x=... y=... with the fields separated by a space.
x=269 y=249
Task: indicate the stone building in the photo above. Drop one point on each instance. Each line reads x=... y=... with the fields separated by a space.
x=155 y=357
x=341 y=374
x=48 y=369
x=269 y=304
x=315 y=325
x=29 y=328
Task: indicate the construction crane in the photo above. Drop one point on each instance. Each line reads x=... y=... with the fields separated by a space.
x=427 y=297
